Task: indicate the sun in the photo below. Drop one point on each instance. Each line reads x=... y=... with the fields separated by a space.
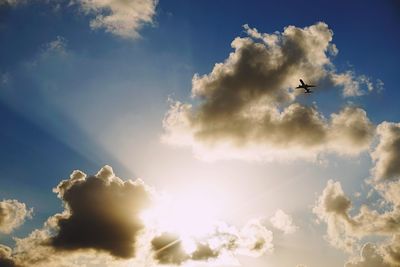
x=191 y=215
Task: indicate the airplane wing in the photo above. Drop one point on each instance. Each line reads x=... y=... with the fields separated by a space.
x=311 y=86
x=302 y=83
x=299 y=87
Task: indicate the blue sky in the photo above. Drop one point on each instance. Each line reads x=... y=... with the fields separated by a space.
x=72 y=97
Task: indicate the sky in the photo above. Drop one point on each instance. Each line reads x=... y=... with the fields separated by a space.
x=171 y=133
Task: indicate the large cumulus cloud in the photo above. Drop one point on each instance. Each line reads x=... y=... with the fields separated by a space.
x=102 y=212
x=100 y=220
x=12 y=214
x=247 y=103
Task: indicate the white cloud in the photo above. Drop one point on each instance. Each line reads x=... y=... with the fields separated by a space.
x=12 y=215
x=386 y=155
x=346 y=229
x=120 y=17
x=370 y=257
x=123 y=18
x=283 y=222
x=355 y=85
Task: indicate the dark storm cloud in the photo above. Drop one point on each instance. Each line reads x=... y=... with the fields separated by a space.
x=102 y=213
x=247 y=100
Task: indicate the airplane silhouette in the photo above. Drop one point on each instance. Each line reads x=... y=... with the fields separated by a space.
x=305 y=87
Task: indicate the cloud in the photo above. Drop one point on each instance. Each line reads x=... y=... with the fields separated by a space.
x=5 y=257
x=252 y=240
x=255 y=239
x=169 y=249
x=370 y=257
x=355 y=85
x=12 y=2
x=247 y=103
x=12 y=215
x=347 y=228
x=391 y=251
x=387 y=153
x=57 y=46
x=102 y=213
x=296 y=132
x=101 y=220
x=204 y=252
x=333 y=207
x=384 y=255
x=283 y=222
x=350 y=131
x=119 y=17
x=35 y=250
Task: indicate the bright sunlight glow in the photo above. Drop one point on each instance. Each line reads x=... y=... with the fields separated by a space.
x=191 y=214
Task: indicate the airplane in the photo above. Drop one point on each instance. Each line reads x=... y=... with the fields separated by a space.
x=305 y=87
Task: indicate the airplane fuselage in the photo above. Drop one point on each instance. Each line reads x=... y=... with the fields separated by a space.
x=305 y=87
